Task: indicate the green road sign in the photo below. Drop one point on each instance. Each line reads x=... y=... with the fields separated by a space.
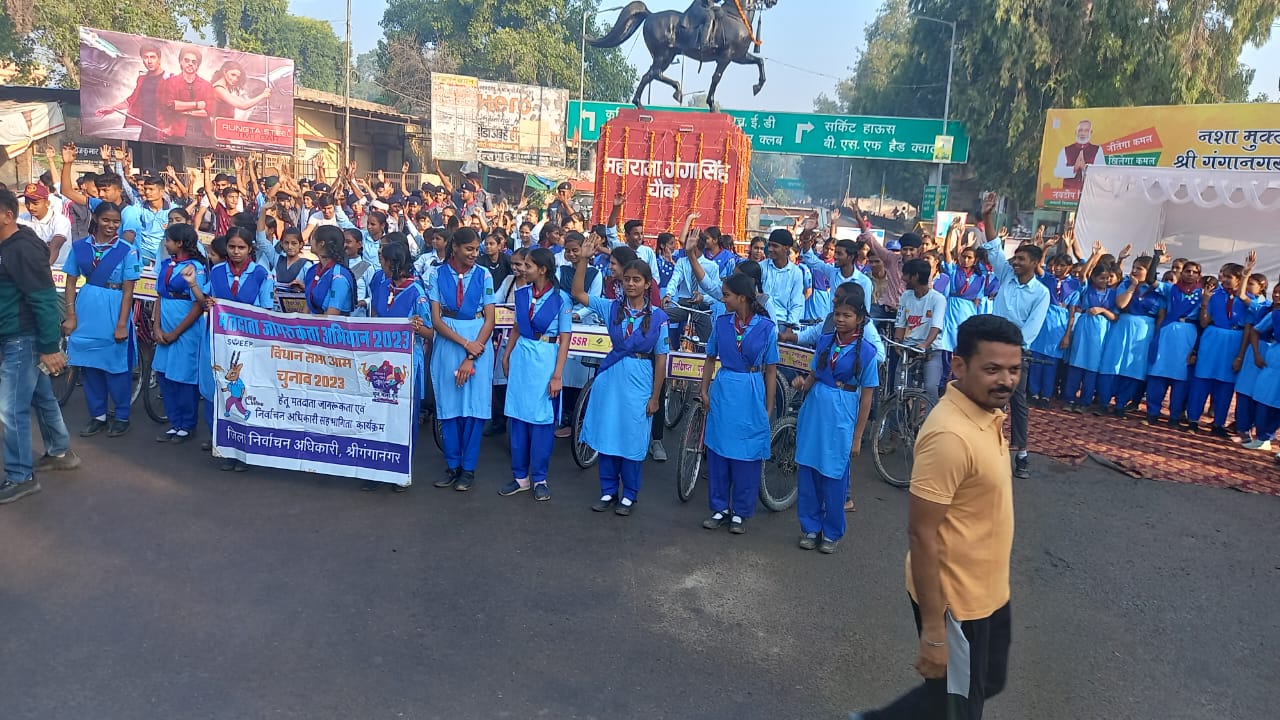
x=786 y=183
x=930 y=196
x=847 y=136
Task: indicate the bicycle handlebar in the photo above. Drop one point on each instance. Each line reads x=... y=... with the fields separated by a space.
x=905 y=346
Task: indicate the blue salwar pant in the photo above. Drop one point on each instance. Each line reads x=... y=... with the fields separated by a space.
x=1157 y=388
x=462 y=442
x=100 y=385
x=733 y=484
x=820 y=503
x=1081 y=382
x=615 y=470
x=180 y=400
x=1201 y=390
x=531 y=447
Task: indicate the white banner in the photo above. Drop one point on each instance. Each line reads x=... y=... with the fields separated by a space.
x=453 y=116
x=493 y=121
x=317 y=394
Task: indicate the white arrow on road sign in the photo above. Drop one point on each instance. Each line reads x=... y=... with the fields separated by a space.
x=589 y=118
x=801 y=129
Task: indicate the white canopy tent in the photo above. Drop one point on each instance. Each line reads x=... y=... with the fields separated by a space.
x=1211 y=216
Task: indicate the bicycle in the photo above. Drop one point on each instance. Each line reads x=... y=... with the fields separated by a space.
x=901 y=416
x=147 y=381
x=584 y=456
x=65 y=382
x=678 y=394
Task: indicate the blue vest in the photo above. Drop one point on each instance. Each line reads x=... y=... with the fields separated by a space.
x=755 y=341
x=850 y=364
x=317 y=292
x=1183 y=306
x=639 y=342
x=472 y=297
x=566 y=278
x=251 y=281
x=405 y=303
x=169 y=280
x=544 y=318
x=107 y=264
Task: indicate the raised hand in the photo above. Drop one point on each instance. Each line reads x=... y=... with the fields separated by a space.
x=619 y=199
x=1097 y=247
x=1125 y=251
x=1250 y=261
x=1161 y=248
x=988 y=203
x=206 y=162
x=404 y=169
x=238 y=164
x=68 y=152
x=105 y=151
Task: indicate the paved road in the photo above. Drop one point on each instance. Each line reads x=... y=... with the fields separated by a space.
x=150 y=585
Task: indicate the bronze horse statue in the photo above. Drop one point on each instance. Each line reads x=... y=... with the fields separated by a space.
x=705 y=32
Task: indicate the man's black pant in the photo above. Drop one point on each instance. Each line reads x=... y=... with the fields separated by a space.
x=977 y=666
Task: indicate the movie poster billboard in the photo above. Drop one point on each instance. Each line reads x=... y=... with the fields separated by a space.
x=491 y=121
x=1240 y=137
x=134 y=87
x=315 y=394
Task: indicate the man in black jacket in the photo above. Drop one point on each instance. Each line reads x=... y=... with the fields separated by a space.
x=30 y=332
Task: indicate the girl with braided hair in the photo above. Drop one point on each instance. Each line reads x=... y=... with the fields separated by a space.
x=329 y=285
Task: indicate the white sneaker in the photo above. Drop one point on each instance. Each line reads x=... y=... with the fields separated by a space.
x=657 y=451
x=1263 y=445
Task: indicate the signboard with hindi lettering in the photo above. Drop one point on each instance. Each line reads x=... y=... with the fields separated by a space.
x=317 y=394
x=1244 y=136
x=491 y=121
x=847 y=136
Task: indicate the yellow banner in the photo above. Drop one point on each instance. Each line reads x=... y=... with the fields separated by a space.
x=1243 y=136
x=60 y=280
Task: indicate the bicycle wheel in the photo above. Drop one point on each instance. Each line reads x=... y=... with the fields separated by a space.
x=781 y=398
x=689 y=464
x=437 y=432
x=779 y=481
x=584 y=456
x=893 y=445
x=673 y=402
x=64 y=383
x=152 y=396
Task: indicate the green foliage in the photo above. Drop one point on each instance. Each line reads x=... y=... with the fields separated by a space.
x=46 y=31
x=1015 y=59
x=267 y=28
x=537 y=42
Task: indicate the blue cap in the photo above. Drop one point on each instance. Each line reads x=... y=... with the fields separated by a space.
x=893 y=245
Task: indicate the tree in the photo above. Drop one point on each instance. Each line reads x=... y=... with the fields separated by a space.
x=1015 y=59
x=46 y=32
x=405 y=69
x=267 y=28
x=536 y=42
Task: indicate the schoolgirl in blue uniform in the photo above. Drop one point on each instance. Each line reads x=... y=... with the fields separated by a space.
x=1222 y=320
x=534 y=361
x=462 y=314
x=838 y=393
x=396 y=292
x=99 y=321
x=179 y=328
x=628 y=384
x=329 y=286
x=1126 y=354
x=1175 y=344
x=1047 y=347
x=1265 y=344
x=1091 y=316
x=1247 y=377
x=240 y=279
x=745 y=341
x=964 y=289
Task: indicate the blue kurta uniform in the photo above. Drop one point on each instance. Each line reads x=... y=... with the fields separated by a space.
x=1215 y=375
x=334 y=287
x=617 y=422
x=1090 y=331
x=964 y=291
x=1248 y=413
x=1128 y=347
x=177 y=362
x=462 y=299
x=105 y=362
x=405 y=300
x=1175 y=339
x=737 y=427
x=825 y=428
x=541 y=322
x=1267 y=388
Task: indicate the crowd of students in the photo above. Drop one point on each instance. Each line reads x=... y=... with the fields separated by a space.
x=1105 y=337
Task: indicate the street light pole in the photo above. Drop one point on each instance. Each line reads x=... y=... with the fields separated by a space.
x=346 y=97
x=582 y=73
x=946 y=111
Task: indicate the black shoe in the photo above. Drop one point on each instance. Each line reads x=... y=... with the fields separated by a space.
x=826 y=547
x=494 y=427
x=167 y=436
x=1121 y=413
x=1098 y=410
x=369 y=486
x=206 y=446
x=94 y=427
x=450 y=477
x=12 y=492
x=465 y=481
x=179 y=438
x=737 y=525
x=541 y=492
x=1022 y=467
x=603 y=504
x=808 y=541
x=397 y=489
x=716 y=521
x=228 y=465
x=1219 y=431
x=623 y=508
x=118 y=428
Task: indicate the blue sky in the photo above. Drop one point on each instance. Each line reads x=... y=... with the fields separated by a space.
x=808 y=44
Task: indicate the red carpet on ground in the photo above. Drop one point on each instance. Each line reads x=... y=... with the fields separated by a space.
x=1157 y=452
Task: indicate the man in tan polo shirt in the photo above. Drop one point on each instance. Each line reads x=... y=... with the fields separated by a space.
x=961 y=532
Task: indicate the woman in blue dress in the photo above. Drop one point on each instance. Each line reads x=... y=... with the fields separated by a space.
x=328 y=285
x=1247 y=377
x=1047 y=347
x=1126 y=354
x=179 y=329
x=396 y=292
x=745 y=341
x=99 y=322
x=624 y=397
x=666 y=262
x=462 y=314
x=1175 y=345
x=1091 y=316
x=1266 y=392
x=837 y=400
x=966 y=282
x=534 y=361
x=1222 y=320
x=238 y=279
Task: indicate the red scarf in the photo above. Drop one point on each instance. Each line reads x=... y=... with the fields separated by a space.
x=739 y=330
x=537 y=295
x=838 y=348
x=325 y=266
x=462 y=291
x=397 y=288
x=235 y=276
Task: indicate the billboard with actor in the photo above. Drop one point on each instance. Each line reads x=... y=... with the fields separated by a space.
x=134 y=87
